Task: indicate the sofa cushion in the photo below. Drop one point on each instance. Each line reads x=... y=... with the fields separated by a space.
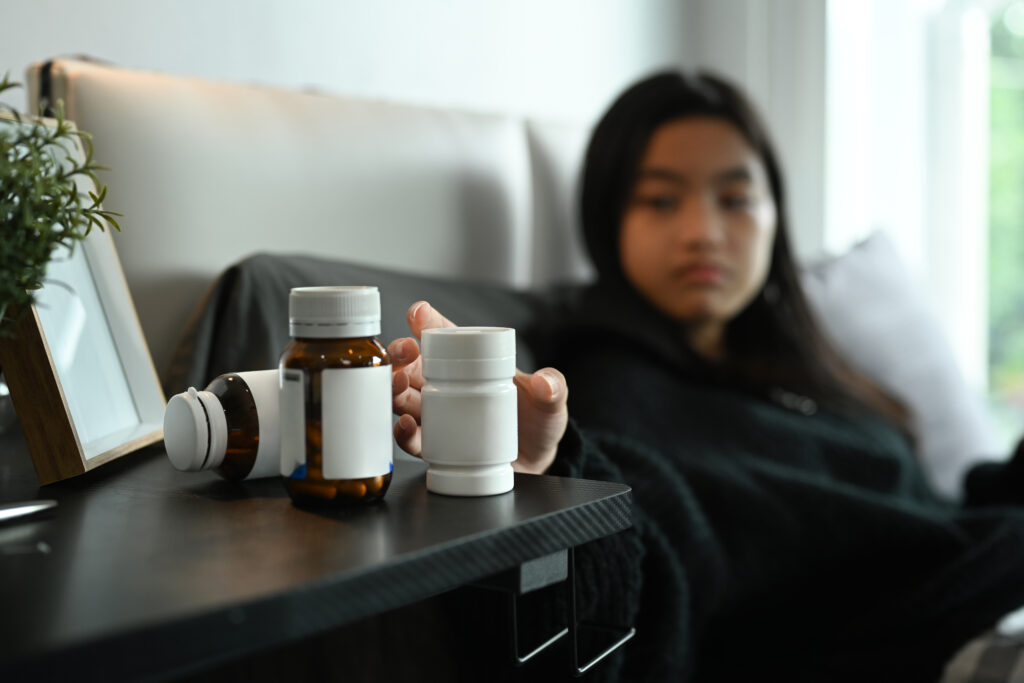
x=207 y=173
x=880 y=321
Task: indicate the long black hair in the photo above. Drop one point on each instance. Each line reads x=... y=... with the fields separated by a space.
x=775 y=341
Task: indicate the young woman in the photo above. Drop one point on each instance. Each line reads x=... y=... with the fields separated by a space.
x=783 y=527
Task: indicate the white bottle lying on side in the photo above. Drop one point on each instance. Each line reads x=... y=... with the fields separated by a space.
x=232 y=427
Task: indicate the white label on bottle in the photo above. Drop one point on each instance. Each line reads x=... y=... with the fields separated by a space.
x=468 y=429
x=356 y=422
x=293 y=423
x=264 y=385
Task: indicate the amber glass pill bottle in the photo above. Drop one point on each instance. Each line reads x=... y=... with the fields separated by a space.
x=335 y=387
x=231 y=427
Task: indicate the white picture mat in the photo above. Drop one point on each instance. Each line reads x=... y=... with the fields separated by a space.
x=127 y=334
x=136 y=362
x=83 y=349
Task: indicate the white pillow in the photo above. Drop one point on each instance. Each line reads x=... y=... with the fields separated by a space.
x=880 y=321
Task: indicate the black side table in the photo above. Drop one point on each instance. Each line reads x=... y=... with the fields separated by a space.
x=143 y=572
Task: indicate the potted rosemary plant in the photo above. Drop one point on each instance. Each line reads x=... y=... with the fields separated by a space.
x=41 y=209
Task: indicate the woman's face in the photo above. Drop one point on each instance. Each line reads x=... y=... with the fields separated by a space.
x=696 y=237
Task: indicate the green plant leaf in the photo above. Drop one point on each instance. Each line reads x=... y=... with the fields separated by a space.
x=41 y=207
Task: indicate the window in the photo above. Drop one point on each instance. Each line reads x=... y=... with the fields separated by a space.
x=926 y=141
x=1006 y=218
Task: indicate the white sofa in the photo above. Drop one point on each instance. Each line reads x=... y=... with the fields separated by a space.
x=208 y=173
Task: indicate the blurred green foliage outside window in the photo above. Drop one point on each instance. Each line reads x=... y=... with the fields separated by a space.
x=1006 y=218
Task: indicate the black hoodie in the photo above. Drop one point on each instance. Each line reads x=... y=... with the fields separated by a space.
x=778 y=540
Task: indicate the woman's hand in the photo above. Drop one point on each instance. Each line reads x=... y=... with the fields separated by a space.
x=543 y=413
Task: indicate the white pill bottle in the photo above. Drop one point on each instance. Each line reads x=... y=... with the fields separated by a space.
x=468 y=411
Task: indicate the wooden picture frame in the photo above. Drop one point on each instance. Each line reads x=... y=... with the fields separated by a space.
x=78 y=367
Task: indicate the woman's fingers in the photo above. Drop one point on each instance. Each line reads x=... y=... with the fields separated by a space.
x=543 y=415
x=422 y=316
x=406 y=360
x=547 y=389
x=408 y=435
x=403 y=351
x=405 y=398
x=407 y=375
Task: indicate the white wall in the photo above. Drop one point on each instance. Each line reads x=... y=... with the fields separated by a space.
x=555 y=59
x=561 y=59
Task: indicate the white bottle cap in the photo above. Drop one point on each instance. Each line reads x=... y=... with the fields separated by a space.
x=195 y=431
x=334 y=312
x=469 y=353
